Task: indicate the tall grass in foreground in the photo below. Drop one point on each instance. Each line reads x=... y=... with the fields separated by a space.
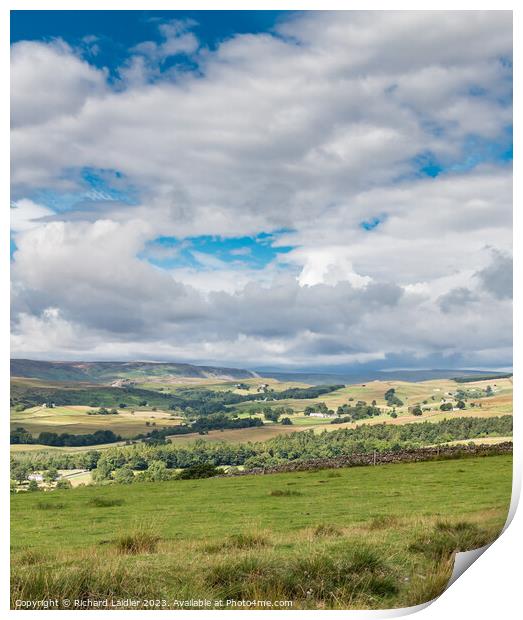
x=326 y=567
x=374 y=537
x=139 y=541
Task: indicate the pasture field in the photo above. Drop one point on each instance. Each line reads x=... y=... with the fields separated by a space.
x=414 y=393
x=35 y=447
x=237 y=435
x=76 y=476
x=479 y=441
x=75 y=419
x=348 y=538
x=170 y=385
x=411 y=393
x=300 y=423
x=176 y=383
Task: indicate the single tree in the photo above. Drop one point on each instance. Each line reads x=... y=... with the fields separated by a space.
x=51 y=474
x=63 y=483
x=124 y=475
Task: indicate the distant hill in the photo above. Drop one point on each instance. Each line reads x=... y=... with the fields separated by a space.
x=382 y=375
x=105 y=372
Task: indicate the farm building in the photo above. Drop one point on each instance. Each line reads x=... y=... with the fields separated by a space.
x=120 y=383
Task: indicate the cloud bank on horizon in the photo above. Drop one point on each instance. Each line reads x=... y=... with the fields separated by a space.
x=331 y=190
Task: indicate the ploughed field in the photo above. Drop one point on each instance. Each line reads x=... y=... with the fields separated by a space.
x=367 y=537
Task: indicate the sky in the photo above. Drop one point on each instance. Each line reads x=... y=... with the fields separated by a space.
x=263 y=189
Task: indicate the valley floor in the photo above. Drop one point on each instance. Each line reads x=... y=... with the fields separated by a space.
x=133 y=420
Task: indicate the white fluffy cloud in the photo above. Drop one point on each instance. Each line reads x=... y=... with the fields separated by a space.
x=315 y=129
x=48 y=81
x=26 y=214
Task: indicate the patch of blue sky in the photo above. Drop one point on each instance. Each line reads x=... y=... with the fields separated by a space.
x=477 y=91
x=475 y=151
x=214 y=252
x=479 y=150
x=94 y=185
x=428 y=165
x=13 y=246
x=373 y=222
x=433 y=127
x=107 y=37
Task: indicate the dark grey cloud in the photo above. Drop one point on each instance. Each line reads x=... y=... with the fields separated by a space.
x=456 y=299
x=497 y=278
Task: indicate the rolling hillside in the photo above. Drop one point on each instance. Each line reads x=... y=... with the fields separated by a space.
x=413 y=376
x=105 y=372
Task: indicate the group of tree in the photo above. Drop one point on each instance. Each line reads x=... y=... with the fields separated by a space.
x=320 y=407
x=305 y=445
x=359 y=411
x=273 y=414
x=20 y=472
x=104 y=411
x=392 y=399
x=21 y=436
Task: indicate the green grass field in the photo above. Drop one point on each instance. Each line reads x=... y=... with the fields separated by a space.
x=352 y=538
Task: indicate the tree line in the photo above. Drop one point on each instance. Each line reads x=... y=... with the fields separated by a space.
x=46 y=438
x=304 y=445
x=191 y=401
x=201 y=425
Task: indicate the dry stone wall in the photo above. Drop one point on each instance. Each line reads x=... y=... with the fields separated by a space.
x=382 y=458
